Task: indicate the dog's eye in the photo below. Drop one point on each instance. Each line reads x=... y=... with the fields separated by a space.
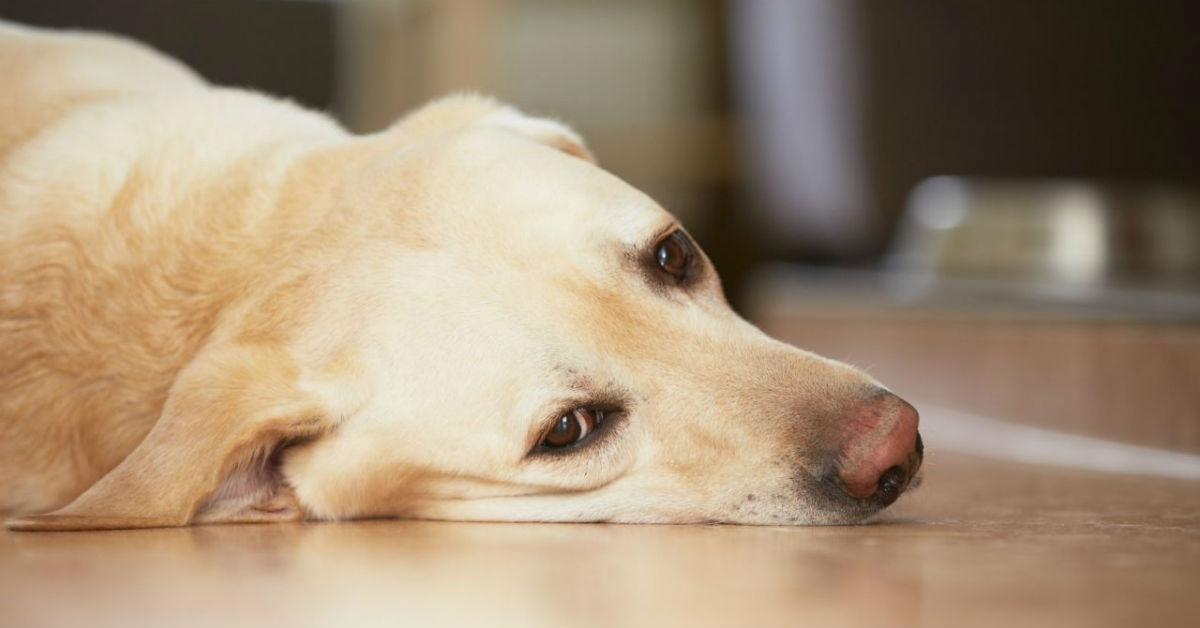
x=674 y=255
x=572 y=427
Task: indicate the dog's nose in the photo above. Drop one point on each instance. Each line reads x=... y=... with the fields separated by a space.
x=883 y=451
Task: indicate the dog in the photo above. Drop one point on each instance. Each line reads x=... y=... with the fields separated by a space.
x=217 y=306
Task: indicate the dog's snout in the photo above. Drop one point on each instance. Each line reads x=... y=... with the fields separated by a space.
x=882 y=450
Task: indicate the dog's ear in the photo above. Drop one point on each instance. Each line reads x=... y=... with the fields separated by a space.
x=212 y=454
x=460 y=110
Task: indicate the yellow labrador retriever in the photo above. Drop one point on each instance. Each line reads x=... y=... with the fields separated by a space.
x=216 y=306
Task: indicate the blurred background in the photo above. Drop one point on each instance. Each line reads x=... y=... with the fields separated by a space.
x=993 y=206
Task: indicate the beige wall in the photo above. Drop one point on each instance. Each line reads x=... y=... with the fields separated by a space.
x=640 y=80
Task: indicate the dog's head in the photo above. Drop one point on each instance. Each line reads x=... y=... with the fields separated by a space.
x=498 y=329
x=547 y=343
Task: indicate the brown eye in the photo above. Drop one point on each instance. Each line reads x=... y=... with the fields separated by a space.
x=572 y=427
x=674 y=255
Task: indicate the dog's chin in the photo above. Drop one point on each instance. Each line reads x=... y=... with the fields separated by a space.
x=822 y=502
x=802 y=515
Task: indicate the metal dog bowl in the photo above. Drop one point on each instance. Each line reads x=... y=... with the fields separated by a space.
x=1076 y=241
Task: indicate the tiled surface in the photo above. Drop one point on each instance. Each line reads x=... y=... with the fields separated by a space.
x=980 y=543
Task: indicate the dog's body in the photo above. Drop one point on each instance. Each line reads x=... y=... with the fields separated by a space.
x=217 y=306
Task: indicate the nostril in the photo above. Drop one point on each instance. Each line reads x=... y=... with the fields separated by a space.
x=881 y=451
x=891 y=484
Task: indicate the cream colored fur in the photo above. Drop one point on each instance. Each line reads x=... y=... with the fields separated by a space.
x=218 y=306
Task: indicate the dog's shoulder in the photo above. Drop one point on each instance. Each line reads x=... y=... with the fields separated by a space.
x=86 y=111
x=47 y=74
x=136 y=203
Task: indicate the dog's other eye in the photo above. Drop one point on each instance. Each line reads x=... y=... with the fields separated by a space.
x=674 y=255
x=572 y=427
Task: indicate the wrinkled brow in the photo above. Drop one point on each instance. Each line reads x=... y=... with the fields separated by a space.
x=595 y=386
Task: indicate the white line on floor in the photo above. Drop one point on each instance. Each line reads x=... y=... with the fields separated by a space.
x=954 y=430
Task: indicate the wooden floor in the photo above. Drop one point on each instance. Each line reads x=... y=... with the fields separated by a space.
x=980 y=543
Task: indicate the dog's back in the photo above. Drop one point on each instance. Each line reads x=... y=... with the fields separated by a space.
x=120 y=171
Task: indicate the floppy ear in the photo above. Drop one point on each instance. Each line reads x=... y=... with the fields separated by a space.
x=459 y=110
x=212 y=454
